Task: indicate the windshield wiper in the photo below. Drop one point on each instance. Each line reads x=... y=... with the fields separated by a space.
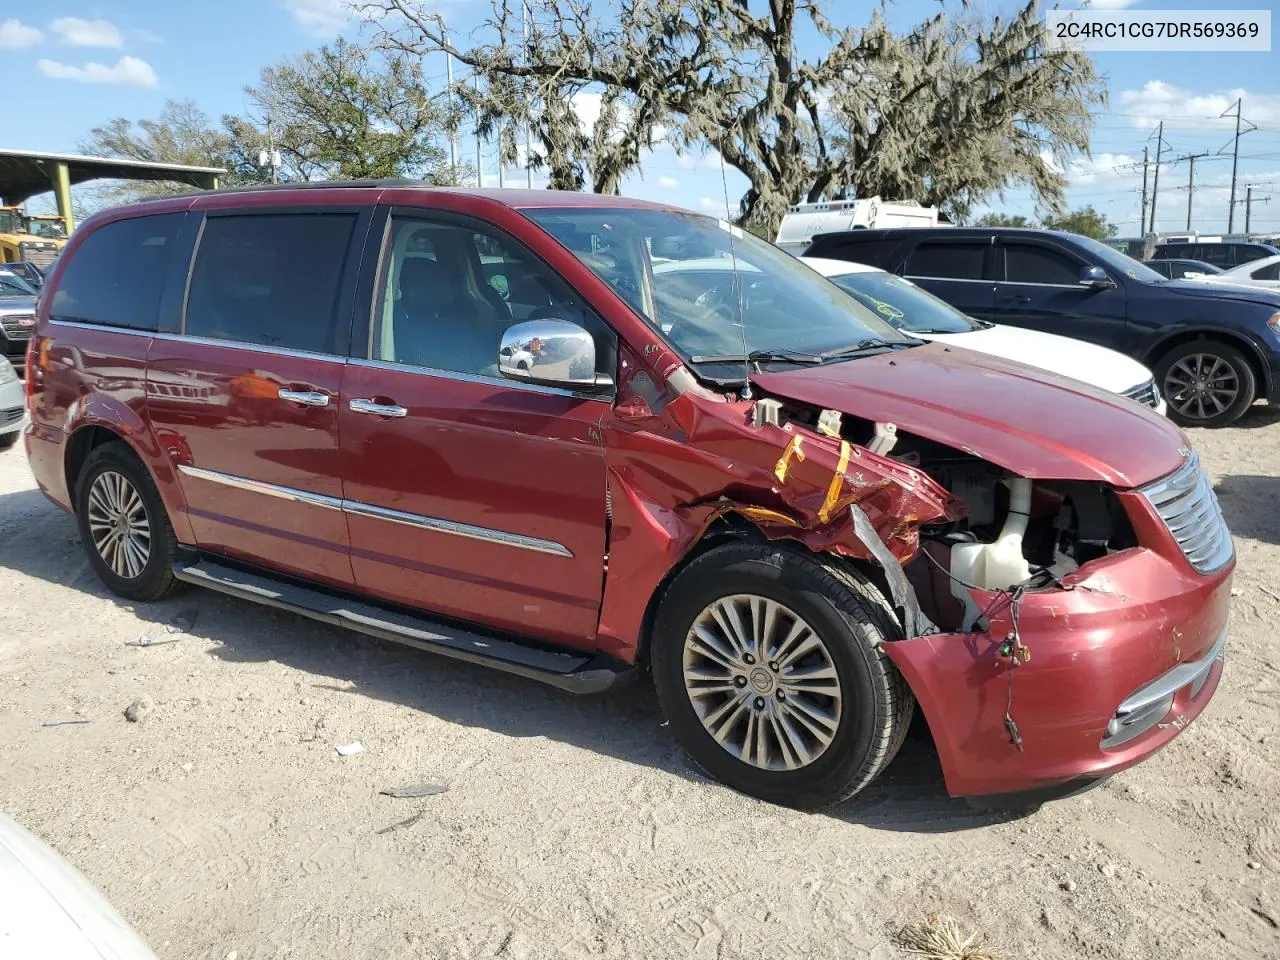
x=761 y=356
x=864 y=346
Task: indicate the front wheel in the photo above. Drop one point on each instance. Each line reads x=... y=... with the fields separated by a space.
x=7 y=440
x=1206 y=383
x=769 y=670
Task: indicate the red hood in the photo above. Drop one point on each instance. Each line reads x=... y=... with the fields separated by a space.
x=1029 y=421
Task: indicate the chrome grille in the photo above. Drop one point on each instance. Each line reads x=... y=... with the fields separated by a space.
x=1186 y=502
x=1145 y=393
x=18 y=326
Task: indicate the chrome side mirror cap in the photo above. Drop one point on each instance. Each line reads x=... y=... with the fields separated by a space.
x=553 y=353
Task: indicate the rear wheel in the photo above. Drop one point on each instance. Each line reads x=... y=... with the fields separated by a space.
x=123 y=525
x=1206 y=383
x=768 y=666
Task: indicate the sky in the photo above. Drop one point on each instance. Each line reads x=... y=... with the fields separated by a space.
x=91 y=60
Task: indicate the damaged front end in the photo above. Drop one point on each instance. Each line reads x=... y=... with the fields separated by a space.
x=1055 y=630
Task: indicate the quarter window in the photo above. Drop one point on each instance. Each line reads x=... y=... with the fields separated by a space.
x=116 y=275
x=948 y=261
x=271 y=280
x=1271 y=272
x=449 y=292
x=1028 y=263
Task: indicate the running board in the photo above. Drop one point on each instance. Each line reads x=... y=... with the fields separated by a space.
x=575 y=672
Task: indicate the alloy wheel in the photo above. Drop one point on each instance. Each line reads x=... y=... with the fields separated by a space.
x=762 y=682
x=1201 y=385
x=118 y=525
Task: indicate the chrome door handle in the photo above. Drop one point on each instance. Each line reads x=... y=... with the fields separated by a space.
x=378 y=409
x=307 y=398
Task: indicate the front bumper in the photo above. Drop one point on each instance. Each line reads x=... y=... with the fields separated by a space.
x=1127 y=622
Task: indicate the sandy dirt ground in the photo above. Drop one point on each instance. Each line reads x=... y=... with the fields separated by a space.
x=225 y=821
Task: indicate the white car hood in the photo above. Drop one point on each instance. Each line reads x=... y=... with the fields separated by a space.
x=1097 y=366
x=49 y=910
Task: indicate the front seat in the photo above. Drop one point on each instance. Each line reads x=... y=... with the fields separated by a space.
x=439 y=324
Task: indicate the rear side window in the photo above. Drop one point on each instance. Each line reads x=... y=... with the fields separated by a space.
x=271 y=280
x=114 y=278
x=875 y=253
x=1029 y=263
x=950 y=261
x=1271 y=272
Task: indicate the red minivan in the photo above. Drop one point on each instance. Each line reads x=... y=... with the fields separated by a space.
x=483 y=424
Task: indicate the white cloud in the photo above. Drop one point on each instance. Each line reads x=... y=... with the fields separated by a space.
x=717 y=207
x=320 y=17
x=142 y=35
x=1109 y=4
x=87 y=33
x=1158 y=100
x=128 y=72
x=669 y=183
x=14 y=34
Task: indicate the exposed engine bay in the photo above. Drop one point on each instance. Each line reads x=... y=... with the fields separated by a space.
x=1016 y=533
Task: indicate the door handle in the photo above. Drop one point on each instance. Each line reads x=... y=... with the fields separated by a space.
x=360 y=405
x=1015 y=300
x=306 y=398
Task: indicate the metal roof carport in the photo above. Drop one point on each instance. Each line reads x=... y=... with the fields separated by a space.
x=25 y=173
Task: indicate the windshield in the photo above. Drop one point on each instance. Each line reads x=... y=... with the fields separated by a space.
x=903 y=304
x=12 y=285
x=676 y=270
x=1118 y=261
x=49 y=229
x=10 y=221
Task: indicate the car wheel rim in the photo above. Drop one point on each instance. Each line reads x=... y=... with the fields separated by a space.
x=1201 y=386
x=762 y=682
x=118 y=525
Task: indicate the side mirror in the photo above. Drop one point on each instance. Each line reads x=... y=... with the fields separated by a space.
x=553 y=353
x=1095 y=278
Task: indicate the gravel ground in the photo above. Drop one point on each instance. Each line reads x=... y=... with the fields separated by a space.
x=225 y=820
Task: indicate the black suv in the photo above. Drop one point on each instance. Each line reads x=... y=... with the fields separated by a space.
x=1223 y=255
x=1214 y=349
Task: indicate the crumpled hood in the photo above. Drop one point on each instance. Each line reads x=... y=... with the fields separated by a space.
x=1027 y=420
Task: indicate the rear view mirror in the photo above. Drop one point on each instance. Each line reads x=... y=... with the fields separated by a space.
x=1095 y=278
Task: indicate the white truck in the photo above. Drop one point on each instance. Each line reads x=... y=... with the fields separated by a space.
x=804 y=221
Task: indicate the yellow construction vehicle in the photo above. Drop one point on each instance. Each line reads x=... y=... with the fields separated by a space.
x=36 y=239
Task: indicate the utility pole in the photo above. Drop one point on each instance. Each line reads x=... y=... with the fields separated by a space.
x=1155 y=185
x=1142 y=222
x=1191 y=181
x=1235 y=161
x=1248 y=201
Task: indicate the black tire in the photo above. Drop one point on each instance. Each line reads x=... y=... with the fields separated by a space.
x=155 y=578
x=7 y=440
x=851 y=619
x=1175 y=375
